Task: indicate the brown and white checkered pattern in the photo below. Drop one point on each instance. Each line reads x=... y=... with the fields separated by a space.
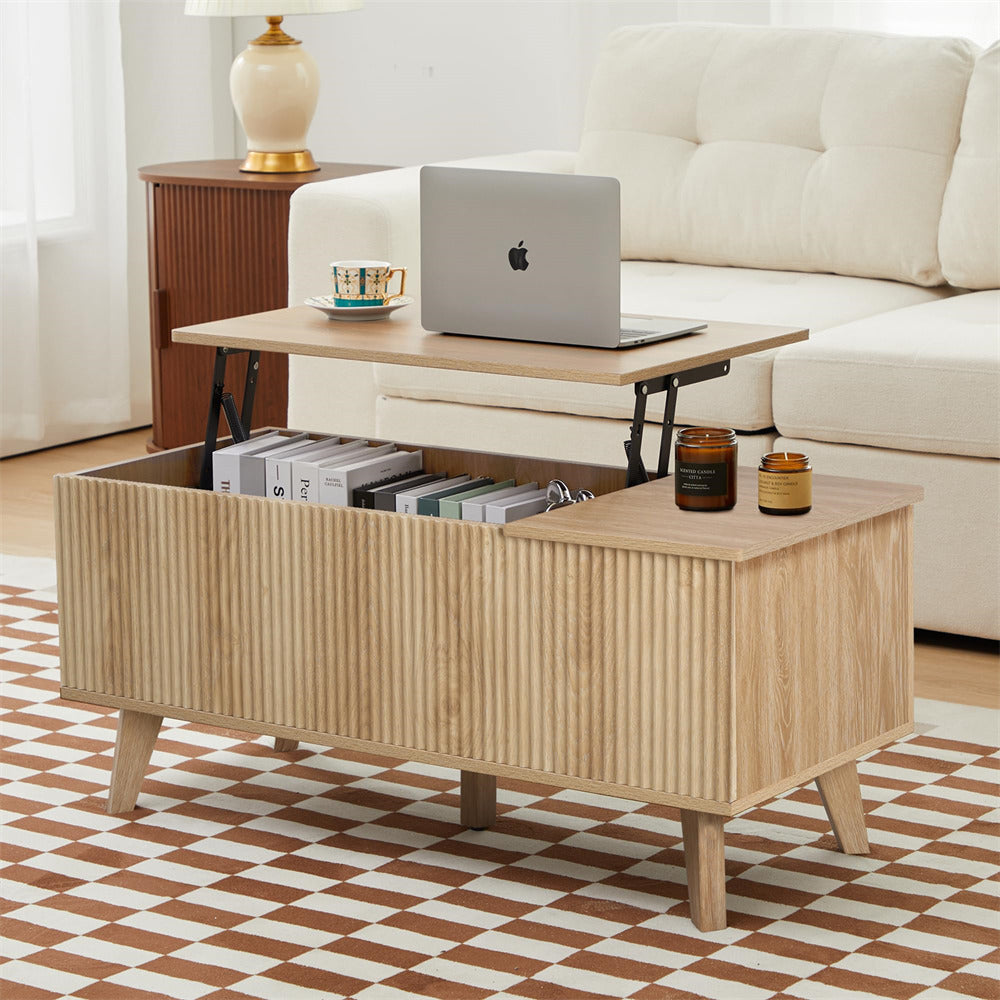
x=322 y=874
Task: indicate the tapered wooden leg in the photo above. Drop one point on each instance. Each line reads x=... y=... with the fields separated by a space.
x=840 y=791
x=281 y=745
x=704 y=857
x=479 y=800
x=133 y=747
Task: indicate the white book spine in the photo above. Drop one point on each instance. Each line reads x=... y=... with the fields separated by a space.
x=326 y=470
x=226 y=462
x=475 y=509
x=253 y=467
x=305 y=481
x=516 y=507
x=305 y=473
x=337 y=484
x=278 y=475
x=278 y=479
x=225 y=473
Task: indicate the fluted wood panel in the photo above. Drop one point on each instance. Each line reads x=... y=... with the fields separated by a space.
x=614 y=666
x=423 y=633
x=670 y=677
x=217 y=252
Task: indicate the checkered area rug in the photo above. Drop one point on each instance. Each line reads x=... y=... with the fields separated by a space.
x=320 y=874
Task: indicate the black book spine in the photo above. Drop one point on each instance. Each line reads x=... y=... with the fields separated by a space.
x=364 y=496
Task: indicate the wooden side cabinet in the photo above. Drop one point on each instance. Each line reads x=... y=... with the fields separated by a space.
x=218 y=242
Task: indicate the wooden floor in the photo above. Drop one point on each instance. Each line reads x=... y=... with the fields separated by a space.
x=948 y=668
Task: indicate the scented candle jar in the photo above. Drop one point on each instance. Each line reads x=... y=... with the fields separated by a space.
x=705 y=468
x=784 y=483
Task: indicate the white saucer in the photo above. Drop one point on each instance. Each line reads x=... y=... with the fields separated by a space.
x=325 y=304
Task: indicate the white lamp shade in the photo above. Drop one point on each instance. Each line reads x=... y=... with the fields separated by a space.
x=267 y=8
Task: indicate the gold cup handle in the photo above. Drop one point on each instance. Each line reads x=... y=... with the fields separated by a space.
x=401 y=271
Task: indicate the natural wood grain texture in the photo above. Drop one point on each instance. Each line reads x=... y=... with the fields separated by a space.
x=646 y=519
x=518 y=653
x=840 y=791
x=402 y=341
x=281 y=745
x=956 y=668
x=612 y=665
x=823 y=648
x=133 y=747
x=704 y=858
x=479 y=800
x=227 y=173
x=320 y=738
x=949 y=668
x=589 y=666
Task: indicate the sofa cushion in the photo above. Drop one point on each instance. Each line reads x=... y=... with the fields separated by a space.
x=520 y=432
x=801 y=150
x=741 y=400
x=969 y=241
x=956 y=533
x=925 y=378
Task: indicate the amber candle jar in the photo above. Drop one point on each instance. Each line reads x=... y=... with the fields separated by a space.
x=705 y=468
x=784 y=483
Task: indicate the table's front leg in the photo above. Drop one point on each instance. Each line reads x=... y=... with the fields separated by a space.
x=133 y=748
x=704 y=858
x=840 y=791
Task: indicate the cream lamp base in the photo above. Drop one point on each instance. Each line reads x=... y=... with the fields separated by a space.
x=274 y=89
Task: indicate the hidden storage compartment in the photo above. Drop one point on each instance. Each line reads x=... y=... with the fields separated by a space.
x=181 y=467
x=302 y=615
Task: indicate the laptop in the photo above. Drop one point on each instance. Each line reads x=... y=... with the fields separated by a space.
x=528 y=256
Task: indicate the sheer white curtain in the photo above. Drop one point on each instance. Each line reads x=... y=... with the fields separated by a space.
x=978 y=20
x=64 y=357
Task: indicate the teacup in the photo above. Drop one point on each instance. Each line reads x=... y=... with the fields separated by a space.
x=365 y=282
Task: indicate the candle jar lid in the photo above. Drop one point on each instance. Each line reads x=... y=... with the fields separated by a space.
x=705 y=437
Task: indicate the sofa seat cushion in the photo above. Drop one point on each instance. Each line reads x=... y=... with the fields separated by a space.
x=925 y=378
x=800 y=150
x=741 y=400
x=559 y=436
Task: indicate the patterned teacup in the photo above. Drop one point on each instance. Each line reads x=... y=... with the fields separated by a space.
x=365 y=282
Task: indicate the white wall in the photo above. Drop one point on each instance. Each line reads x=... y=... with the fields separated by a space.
x=177 y=107
x=407 y=82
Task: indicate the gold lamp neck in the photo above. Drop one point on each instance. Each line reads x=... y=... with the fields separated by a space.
x=274 y=34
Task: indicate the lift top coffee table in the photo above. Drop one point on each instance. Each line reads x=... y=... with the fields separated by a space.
x=622 y=646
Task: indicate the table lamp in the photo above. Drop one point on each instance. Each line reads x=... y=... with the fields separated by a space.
x=274 y=82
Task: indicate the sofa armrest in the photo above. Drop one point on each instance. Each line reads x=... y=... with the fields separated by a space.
x=373 y=217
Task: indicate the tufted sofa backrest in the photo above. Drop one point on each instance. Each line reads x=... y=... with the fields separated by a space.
x=779 y=148
x=969 y=242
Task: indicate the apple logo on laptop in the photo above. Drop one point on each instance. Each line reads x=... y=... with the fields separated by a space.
x=518 y=257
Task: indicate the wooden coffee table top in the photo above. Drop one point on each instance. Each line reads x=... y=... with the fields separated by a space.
x=401 y=340
x=646 y=519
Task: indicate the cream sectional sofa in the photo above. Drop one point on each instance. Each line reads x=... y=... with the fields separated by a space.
x=844 y=181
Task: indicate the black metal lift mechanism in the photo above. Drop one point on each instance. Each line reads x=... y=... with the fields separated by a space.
x=643 y=390
x=239 y=426
x=633 y=447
